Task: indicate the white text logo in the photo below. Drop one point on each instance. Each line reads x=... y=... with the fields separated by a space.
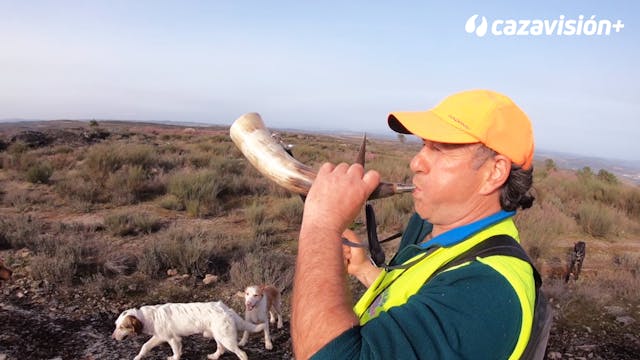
x=543 y=27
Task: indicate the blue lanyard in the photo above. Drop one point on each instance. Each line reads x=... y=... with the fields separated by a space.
x=459 y=234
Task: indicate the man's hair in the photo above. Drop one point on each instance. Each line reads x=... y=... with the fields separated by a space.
x=516 y=191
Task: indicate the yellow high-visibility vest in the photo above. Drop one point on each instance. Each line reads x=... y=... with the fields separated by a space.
x=393 y=288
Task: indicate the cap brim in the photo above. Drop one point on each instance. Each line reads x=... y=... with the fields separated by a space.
x=429 y=126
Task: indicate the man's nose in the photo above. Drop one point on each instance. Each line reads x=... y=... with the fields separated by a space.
x=418 y=164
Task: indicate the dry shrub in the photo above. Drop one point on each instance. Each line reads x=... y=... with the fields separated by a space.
x=170 y=160
x=596 y=219
x=607 y=287
x=116 y=287
x=540 y=226
x=125 y=223
x=244 y=179
x=629 y=262
x=22 y=231
x=132 y=184
x=392 y=168
x=393 y=213
x=630 y=202
x=255 y=214
x=17 y=157
x=117 y=262
x=263 y=267
x=39 y=173
x=265 y=220
x=198 y=191
x=103 y=159
x=308 y=154
x=59 y=268
x=266 y=232
x=68 y=253
x=122 y=174
x=80 y=189
x=63 y=161
x=171 y=202
x=199 y=160
x=61 y=149
x=20 y=199
x=289 y=209
x=190 y=251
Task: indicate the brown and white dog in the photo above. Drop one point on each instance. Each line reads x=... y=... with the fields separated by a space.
x=170 y=322
x=262 y=305
x=5 y=272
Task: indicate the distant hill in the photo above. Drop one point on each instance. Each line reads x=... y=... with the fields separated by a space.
x=624 y=169
x=628 y=170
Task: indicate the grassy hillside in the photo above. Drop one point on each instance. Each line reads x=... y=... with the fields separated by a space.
x=128 y=214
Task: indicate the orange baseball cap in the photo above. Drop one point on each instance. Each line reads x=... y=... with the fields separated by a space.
x=473 y=116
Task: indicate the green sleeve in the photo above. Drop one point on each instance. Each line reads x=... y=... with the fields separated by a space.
x=468 y=313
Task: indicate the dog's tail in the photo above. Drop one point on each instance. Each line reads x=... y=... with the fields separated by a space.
x=244 y=325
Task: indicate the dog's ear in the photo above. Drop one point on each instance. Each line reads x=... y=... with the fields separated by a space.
x=240 y=294
x=133 y=322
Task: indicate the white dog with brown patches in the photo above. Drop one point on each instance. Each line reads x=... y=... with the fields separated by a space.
x=262 y=305
x=170 y=322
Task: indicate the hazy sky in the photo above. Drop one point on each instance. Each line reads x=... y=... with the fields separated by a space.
x=339 y=65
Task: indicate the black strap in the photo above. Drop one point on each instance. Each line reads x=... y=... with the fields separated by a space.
x=495 y=245
x=375 y=250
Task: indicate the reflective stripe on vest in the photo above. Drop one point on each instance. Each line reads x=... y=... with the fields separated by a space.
x=393 y=288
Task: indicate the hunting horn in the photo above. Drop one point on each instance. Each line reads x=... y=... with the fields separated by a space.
x=268 y=156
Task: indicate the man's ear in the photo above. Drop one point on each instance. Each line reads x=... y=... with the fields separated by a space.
x=497 y=173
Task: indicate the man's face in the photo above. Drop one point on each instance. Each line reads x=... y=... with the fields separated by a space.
x=448 y=178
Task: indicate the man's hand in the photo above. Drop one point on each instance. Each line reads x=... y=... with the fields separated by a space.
x=357 y=262
x=337 y=195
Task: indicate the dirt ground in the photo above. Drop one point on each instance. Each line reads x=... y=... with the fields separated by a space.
x=59 y=326
x=33 y=332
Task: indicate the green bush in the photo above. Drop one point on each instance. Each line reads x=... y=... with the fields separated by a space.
x=607 y=177
x=104 y=159
x=198 y=191
x=595 y=219
x=39 y=173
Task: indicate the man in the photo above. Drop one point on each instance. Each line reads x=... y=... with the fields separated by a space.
x=474 y=170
